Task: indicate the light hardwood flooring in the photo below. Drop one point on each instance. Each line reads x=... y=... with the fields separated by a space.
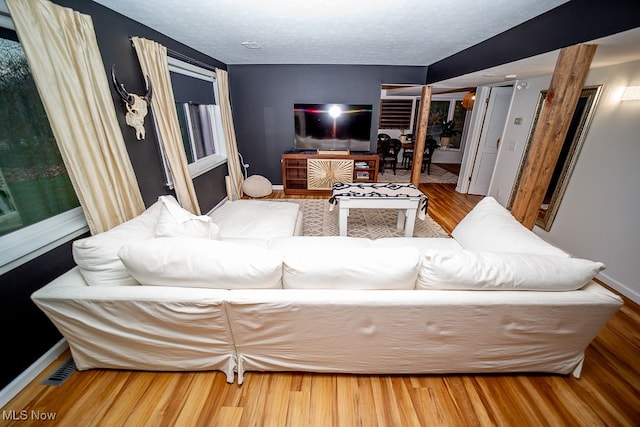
x=607 y=394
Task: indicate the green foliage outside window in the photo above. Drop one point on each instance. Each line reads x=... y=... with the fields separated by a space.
x=34 y=184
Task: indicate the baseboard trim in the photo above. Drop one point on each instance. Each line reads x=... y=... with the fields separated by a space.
x=625 y=290
x=29 y=374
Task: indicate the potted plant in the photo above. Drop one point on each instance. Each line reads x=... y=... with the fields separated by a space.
x=403 y=137
x=447 y=132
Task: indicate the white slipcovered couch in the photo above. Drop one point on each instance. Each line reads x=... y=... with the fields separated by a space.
x=168 y=291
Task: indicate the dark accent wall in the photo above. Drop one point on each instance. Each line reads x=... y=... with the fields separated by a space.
x=571 y=23
x=262 y=98
x=113 y=32
x=28 y=334
x=26 y=331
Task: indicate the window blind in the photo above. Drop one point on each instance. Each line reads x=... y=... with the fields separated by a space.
x=395 y=113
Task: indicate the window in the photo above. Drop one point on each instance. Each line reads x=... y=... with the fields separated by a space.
x=402 y=114
x=459 y=116
x=195 y=93
x=395 y=113
x=196 y=125
x=438 y=111
x=446 y=109
x=39 y=209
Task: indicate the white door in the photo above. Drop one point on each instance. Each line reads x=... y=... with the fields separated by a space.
x=492 y=128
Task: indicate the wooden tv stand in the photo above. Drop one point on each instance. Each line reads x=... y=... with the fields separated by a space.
x=307 y=174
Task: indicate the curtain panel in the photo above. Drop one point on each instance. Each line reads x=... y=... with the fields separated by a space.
x=155 y=65
x=235 y=177
x=62 y=52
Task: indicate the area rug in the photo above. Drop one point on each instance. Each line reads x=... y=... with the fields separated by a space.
x=437 y=175
x=368 y=223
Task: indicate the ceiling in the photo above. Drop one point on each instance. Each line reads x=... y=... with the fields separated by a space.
x=369 y=32
x=358 y=32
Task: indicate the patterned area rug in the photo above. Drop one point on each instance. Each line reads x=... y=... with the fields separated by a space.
x=437 y=175
x=368 y=223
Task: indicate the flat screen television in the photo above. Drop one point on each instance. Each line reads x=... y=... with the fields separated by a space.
x=332 y=126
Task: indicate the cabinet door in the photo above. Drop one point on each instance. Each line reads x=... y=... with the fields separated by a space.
x=323 y=173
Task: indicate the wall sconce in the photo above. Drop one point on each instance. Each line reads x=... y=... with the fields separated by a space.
x=631 y=93
x=468 y=100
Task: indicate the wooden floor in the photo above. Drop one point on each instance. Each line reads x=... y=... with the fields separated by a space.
x=607 y=394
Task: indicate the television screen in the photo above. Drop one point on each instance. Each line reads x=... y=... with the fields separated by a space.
x=332 y=126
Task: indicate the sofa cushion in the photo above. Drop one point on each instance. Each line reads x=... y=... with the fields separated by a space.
x=259 y=243
x=470 y=270
x=342 y=268
x=293 y=244
x=175 y=221
x=257 y=219
x=202 y=263
x=420 y=243
x=491 y=227
x=97 y=256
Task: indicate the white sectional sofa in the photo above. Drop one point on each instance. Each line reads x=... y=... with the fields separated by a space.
x=168 y=291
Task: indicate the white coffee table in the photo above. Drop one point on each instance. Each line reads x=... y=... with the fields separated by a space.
x=406 y=197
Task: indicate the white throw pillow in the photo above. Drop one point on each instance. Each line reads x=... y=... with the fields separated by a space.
x=201 y=263
x=469 y=270
x=491 y=227
x=97 y=256
x=340 y=268
x=175 y=221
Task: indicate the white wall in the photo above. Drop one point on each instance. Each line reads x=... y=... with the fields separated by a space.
x=599 y=217
x=515 y=137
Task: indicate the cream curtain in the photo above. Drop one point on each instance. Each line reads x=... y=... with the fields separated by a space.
x=155 y=65
x=62 y=51
x=235 y=177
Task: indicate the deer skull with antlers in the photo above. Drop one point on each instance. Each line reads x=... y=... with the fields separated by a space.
x=136 y=105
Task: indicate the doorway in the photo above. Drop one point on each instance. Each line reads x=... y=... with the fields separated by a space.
x=568 y=155
x=399 y=108
x=486 y=126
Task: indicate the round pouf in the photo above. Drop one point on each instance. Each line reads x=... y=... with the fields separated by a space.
x=257 y=186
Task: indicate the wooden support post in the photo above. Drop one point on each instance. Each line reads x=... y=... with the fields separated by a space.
x=421 y=135
x=553 y=123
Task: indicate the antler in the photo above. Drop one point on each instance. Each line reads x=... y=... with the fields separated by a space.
x=126 y=96
x=147 y=95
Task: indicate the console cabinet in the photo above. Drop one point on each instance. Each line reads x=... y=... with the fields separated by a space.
x=315 y=173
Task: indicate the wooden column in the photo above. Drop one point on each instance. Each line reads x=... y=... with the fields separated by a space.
x=553 y=123
x=421 y=134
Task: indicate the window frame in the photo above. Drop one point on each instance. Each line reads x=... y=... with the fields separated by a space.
x=27 y=243
x=212 y=161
